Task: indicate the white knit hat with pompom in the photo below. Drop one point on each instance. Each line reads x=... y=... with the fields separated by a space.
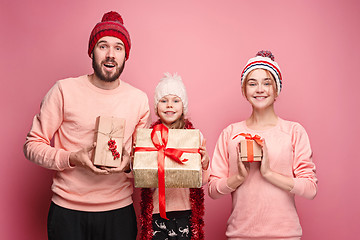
x=171 y=85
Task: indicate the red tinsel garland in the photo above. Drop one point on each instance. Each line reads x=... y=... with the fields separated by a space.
x=196 y=201
x=197 y=213
x=147 y=207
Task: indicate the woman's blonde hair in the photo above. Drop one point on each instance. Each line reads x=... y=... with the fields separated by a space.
x=268 y=73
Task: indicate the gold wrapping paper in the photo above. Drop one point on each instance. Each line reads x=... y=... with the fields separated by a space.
x=108 y=128
x=145 y=166
x=256 y=149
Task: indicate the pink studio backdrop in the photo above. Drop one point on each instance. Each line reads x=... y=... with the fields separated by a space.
x=316 y=44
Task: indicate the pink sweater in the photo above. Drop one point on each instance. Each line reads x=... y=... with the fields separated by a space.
x=260 y=210
x=68 y=113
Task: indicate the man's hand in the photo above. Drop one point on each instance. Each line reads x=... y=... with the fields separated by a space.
x=82 y=159
x=124 y=165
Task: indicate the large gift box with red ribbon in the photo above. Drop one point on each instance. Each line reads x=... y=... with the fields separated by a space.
x=250 y=149
x=167 y=158
x=109 y=135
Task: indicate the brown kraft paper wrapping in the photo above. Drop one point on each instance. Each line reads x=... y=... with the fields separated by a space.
x=257 y=151
x=108 y=128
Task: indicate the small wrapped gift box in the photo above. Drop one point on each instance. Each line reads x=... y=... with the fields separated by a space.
x=109 y=135
x=250 y=149
x=245 y=151
x=156 y=145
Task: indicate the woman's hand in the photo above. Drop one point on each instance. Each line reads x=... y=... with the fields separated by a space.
x=265 y=165
x=243 y=167
x=284 y=182
x=243 y=172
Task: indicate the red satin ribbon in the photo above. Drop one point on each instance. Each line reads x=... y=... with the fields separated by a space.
x=172 y=153
x=249 y=144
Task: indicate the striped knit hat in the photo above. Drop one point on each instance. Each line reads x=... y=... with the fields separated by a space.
x=111 y=25
x=263 y=60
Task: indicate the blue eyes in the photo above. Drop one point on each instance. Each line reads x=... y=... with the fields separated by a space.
x=255 y=84
x=174 y=101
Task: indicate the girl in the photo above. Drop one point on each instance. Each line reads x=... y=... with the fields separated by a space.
x=263 y=192
x=185 y=207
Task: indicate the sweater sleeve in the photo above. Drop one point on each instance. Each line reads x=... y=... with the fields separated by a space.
x=305 y=181
x=144 y=122
x=144 y=114
x=219 y=169
x=37 y=145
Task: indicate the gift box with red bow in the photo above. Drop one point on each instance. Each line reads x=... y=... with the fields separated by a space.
x=109 y=135
x=250 y=149
x=169 y=155
x=167 y=158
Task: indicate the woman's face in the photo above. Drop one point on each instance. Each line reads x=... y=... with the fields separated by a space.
x=260 y=89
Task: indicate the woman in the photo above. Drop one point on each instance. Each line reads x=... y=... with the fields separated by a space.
x=263 y=192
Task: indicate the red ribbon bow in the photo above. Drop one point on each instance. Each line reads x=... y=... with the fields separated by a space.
x=249 y=145
x=163 y=151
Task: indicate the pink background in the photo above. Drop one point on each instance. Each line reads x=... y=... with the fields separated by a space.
x=316 y=44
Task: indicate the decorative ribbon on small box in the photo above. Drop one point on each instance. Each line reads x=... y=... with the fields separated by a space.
x=253 y=151
x=173 y=153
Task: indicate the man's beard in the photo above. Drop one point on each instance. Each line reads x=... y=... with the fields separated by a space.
x=107 y=76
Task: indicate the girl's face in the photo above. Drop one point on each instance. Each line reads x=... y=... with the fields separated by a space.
x=169 y=109
x=260 y=89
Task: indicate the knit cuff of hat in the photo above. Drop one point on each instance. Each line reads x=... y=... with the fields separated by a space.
x=111 y=25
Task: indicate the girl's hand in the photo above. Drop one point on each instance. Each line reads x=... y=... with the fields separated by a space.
x=204 y=156
x=265 y=165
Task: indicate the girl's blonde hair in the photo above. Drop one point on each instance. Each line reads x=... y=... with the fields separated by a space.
x=179 y=123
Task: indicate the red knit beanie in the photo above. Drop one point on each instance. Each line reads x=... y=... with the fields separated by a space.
x=111 y=25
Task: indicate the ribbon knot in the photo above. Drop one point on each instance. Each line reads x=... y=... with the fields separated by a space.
x=248 y=136
x=173 y=153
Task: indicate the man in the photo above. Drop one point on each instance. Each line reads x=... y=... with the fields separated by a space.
x=89 y=202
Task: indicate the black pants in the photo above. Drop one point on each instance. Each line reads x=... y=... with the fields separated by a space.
x=67 y=224
x=176 y=228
